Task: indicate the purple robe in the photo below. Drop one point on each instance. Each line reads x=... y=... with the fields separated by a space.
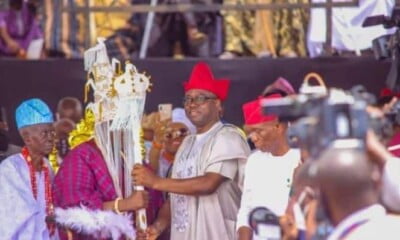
x=83 y=178
x=22 y=26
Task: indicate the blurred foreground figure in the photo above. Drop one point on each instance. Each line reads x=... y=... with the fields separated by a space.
x=349 y=185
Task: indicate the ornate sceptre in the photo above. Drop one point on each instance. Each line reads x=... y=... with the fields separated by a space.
x=119 y=98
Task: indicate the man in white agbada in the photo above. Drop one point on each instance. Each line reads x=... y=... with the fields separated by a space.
x=347 y=31
x=207 y=173
x=269 y=170
x=26 y=178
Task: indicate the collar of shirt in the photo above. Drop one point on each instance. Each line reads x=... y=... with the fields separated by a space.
x=200 y=136
x=364 y=214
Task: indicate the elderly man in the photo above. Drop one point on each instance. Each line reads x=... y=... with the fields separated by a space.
x=207 y=173
x=25 y=178
x=269 y=170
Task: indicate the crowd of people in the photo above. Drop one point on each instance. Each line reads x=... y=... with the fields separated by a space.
x=202 y=176
x=228 y=34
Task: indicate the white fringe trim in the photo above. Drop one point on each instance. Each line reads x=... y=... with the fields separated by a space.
x=96 y=223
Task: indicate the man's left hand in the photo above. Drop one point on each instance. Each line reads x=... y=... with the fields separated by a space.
x=143 y=176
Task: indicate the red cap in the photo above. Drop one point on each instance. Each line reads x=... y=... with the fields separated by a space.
x=386 y=92
x=202 y=78
x=253 y=114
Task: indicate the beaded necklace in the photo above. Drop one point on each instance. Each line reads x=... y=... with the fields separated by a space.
x=34 y=186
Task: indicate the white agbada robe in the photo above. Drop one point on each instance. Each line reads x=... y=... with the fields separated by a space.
x=22 y=216
x=221 y=150
x=391 y=184
x=386 y=227
x=267 y=183
x=369 y=223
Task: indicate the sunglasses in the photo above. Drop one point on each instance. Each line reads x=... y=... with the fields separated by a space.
x=182 y=132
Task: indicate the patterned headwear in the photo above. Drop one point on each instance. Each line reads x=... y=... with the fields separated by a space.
x=252 y=111
x=31 y=112
x=280 y=84
x=202 y=78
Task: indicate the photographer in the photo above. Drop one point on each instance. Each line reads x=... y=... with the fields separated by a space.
x=349 y=162
x=269 y=170
x=349 y=192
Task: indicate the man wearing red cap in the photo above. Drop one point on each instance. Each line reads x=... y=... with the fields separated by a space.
x=269 y=169
x=207 y=174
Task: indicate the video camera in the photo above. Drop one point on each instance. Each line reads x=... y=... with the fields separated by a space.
x=321 y=119
x=388 y=46
x=265 y=224
x=334 y=118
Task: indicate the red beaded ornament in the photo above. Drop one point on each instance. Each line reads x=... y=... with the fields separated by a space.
x=48 y=193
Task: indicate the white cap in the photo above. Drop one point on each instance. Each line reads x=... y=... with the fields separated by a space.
x=179 y=115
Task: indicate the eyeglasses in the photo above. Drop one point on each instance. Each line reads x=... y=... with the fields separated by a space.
x=182 y=132
x=45 y=133
x=198 y=100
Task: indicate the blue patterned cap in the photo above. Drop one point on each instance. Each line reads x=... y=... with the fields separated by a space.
x=31 y=112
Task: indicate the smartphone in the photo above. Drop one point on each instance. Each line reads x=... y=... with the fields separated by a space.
x=165 y=111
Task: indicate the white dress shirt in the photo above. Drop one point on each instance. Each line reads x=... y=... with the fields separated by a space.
x=386 y=227
x=347 y=31
x=361 y=216
x=391 y=184
x=267 y=183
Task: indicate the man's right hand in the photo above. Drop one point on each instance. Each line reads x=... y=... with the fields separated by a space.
x=151 y=233
x=138 y=200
